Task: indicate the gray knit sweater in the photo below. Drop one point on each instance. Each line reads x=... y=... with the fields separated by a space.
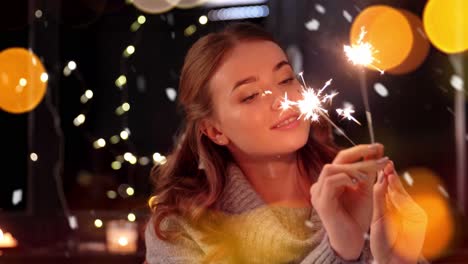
x=254 y=233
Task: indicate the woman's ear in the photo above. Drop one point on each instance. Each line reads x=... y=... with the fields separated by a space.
x=209 y=129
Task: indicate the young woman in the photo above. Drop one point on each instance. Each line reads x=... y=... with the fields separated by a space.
x=251 y=183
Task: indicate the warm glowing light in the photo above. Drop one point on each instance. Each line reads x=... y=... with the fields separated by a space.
x=111 y=194
x=203 y=20
x=446 y=24
x=131 y=217
x=130 y=191
x=190 y=30
x=362 y=53
x=123 y=241
x=124 y=135
x=100 y=143
x=71 y=65
x=121 y=81
x=98 y=223
x=33 y=156
x=116 y=165
x=141 y=19
x=79 y=120
x=44 y=77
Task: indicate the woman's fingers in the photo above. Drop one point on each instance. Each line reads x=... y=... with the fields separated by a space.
x=358 y=153
x=403 y=202
x=364 y=171
x=335 y=184
x=380 y=201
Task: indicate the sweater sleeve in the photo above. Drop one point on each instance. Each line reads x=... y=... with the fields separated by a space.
x=324 y=253
x=183 y=251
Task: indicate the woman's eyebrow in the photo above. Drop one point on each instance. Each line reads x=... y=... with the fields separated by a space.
x=247 y=80
x=252 y=79
x=281 y=64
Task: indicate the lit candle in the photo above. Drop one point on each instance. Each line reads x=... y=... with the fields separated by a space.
x=7 y=240
x=122 y=237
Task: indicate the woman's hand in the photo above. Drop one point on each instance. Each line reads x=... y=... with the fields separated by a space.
x=342 y=197
x=398 y=223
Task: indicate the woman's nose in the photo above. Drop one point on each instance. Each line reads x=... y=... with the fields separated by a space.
x=277 y=99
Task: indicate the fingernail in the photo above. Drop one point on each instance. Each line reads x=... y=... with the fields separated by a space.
x=373 y=147
x=382 y=161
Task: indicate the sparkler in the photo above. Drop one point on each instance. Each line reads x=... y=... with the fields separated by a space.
x=346 y=112
x=362 y=54
x=311 y=105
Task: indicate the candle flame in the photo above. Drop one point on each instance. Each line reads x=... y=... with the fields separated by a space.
x=123 y=241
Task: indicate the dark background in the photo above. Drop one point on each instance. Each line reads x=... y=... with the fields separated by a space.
x=415 y=122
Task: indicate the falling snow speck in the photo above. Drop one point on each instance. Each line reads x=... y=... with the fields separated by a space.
x=171 y=94
x=347 y=16
x=443 y=191
x=312 y=25
x=407 y=177
x=17 y=196
x=380 y=89
x=320 y=8
x=457 y=82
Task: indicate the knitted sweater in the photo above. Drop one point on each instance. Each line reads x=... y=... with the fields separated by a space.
x=251 y=232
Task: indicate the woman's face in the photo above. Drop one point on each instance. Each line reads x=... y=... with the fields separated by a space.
x=247 y=91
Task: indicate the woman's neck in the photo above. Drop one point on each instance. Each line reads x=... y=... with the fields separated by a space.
x=277 y=179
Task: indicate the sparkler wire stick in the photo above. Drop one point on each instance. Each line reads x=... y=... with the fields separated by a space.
x=337 y=128
x=365 y=98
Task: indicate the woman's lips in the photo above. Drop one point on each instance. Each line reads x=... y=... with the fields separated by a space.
x=289 y=122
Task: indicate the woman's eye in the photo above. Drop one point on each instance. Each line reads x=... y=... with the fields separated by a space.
x=287 y=81
x=249 y=98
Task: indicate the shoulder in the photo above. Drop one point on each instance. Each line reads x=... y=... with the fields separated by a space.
x=177 y=250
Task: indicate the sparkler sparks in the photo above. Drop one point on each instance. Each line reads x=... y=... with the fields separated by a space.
x=346 y=112
x=311 y=106
x=362 y=53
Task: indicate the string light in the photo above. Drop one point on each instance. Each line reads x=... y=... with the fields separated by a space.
x=79 y=120
x=124 y=135
x=190 y=30
x=71 y=65
x=100 y=143
x=116 y=165
x=33 y=156
x=131 y=217
x=111 y=194
x=121 y=81
x=115 y=139
x=141 y=19
x=23 y=82
x=203 y=20
x=130 y=191
x=98 y=223
x=159 y=159
x=44 y=77
x=129 y=51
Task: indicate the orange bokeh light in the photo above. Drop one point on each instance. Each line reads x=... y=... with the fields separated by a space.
x=23 y=80
x=440 y=228
x=394 y=34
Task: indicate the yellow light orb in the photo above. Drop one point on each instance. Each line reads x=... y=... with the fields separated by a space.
x=446 y=24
